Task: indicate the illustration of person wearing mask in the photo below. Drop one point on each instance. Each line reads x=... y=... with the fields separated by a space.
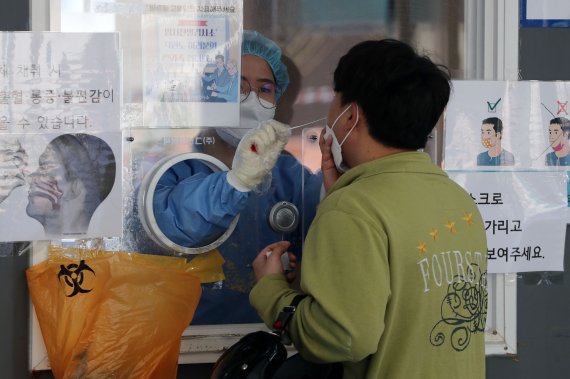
x=193 y=205
x=558 y=134
x=491 y=137
x=76 y=173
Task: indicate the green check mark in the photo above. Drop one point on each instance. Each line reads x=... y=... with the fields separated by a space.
x=493 y=106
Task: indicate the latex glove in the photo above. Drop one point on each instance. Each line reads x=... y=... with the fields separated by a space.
x=13 y=161
x=270 y=261
x=256 y=155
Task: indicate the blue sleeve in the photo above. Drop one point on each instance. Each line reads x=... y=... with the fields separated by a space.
x=193 y=206
x=227 y=93
x=223 y=78
x=229 y=97
x=209 y=77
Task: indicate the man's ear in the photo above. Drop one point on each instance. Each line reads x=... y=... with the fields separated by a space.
x=75 y=190
x=353 y=114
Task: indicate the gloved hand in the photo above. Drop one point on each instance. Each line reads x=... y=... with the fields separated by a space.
x=256 y=155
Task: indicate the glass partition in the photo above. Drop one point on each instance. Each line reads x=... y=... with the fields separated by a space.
x=313 y=35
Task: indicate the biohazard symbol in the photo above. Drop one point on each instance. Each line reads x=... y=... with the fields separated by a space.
x=73 y=276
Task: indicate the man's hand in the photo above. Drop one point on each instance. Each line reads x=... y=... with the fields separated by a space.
x=328 y=168
x=256 y=155
x=268 y=261
x=13 y=161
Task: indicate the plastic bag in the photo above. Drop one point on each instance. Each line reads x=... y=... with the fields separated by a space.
x=113 y=314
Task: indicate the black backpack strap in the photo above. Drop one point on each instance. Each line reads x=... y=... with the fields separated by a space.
x=284 y=317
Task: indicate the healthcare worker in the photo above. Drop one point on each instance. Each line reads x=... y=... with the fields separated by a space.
x=193 y=205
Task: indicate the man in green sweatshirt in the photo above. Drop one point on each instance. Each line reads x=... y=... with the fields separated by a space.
x=394 y=264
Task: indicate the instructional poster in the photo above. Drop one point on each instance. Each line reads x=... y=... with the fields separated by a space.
x=521 y=213
x=509 y=143
x=60 y=145
x=191 y=65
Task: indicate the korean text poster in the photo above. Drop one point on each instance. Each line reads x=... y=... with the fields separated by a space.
x=507 y=144
x=191 y=64
x=60 y=149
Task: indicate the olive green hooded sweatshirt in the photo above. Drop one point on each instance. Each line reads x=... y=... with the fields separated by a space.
x=395 y=268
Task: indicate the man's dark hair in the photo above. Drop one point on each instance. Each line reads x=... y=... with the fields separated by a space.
x=220 y=56
x=401 y=93
x=564 y=124
x=496 y=122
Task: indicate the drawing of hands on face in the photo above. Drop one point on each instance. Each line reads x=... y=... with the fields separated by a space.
x=46 y=186
x=13 y=162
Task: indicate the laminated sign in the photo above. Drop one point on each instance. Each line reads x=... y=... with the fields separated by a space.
x=507 y=144
x=60 y=136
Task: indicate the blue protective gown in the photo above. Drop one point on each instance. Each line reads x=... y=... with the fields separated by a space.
x=193 y=206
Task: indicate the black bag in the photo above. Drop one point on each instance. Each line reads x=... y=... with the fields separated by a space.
x=262 y=355
x=257 y=355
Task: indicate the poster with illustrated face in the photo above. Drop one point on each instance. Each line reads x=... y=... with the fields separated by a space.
x=507 y=144
x=60 y=186
x=191 y=64
x=501 y=125
x=60 y=146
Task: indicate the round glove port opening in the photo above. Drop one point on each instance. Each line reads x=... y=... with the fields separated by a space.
x=146 y=198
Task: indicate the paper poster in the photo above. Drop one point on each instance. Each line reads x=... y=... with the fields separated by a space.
x=60 y=147
x=191 y=65
x=60 y=186
x=59 y=82
x=546 y=14
x=494 y=125
x=512 y=138
x=508 y=126
x=547 y=10
x=524 y=216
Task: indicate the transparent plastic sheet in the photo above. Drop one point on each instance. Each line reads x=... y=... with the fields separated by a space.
x=542 y=278
x=11 y=249
x=113 y=314
x=67 y=115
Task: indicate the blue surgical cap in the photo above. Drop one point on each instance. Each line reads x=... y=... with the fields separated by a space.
x=255 y=43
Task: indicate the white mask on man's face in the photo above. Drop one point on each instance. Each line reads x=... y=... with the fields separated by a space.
x=252 y=115
x=336 y=148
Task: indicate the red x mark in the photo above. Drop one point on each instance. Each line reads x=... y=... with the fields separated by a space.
x=562 y=107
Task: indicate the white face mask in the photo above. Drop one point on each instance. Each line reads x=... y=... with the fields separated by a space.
x=252 y=115
x=336 y=148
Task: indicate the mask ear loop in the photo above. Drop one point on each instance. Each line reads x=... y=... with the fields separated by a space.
x=550 y=144
x=547 y=147
x=308 y=123
x=324 y=118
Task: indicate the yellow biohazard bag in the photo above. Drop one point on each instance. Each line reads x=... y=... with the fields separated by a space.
x=113 y=314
